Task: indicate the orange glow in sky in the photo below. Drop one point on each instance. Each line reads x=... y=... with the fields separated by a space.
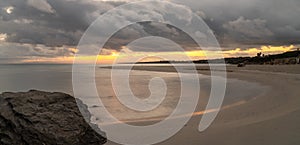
x=154 y=56
x=254 y=51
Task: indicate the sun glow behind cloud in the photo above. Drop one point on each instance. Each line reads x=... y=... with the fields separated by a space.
x=3 y=37
x=253 y=51
x=9 y=9
x=156 y=56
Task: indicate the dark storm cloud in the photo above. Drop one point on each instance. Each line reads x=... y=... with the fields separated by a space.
x=17 y=50
x=52 y=22
x=255 y=22
x=146 y=29
x=243 y=23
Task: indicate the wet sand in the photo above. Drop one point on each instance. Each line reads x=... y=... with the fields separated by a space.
x=269 y=119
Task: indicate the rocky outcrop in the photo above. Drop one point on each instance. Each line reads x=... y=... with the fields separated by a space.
x=37 y=118
x=241 y=65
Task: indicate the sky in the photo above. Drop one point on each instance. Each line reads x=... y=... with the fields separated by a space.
x=48 y=31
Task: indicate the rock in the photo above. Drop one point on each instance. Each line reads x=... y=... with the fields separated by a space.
x=37 y=118
x=241 y=65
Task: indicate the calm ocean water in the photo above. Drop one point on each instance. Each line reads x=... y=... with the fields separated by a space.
x=47 y=77
x=58 y=78
x=41 y=77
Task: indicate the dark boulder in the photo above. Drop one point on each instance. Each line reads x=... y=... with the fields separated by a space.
x=241 y=65
x=37 y=118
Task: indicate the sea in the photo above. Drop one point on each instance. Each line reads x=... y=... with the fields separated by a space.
x=58 y=78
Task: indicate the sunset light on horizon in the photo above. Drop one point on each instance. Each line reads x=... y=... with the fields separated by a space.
x=154 y=56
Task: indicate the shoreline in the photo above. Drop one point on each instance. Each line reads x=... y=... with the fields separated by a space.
x=269 y=119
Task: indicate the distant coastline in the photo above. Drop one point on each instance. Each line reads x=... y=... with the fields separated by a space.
x=290 y=57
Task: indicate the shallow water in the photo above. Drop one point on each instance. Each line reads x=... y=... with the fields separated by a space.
x=58 y=78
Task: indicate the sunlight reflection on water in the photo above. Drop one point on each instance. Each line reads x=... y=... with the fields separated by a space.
x=59 y=78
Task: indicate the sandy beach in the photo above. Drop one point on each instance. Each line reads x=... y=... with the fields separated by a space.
x=261 y=105
x=272 y=118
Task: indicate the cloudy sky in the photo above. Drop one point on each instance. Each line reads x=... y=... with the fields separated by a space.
x=48 y=31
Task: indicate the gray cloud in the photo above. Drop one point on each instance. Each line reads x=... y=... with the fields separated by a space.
x=16 y=52
x=145 y=29
x=255 y=28
x=41 y=5
x=10 y=50
x=277 y=18
x=58 y=23
x=52 y=23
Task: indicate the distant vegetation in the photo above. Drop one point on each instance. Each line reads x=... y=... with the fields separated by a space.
x=291 y=57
